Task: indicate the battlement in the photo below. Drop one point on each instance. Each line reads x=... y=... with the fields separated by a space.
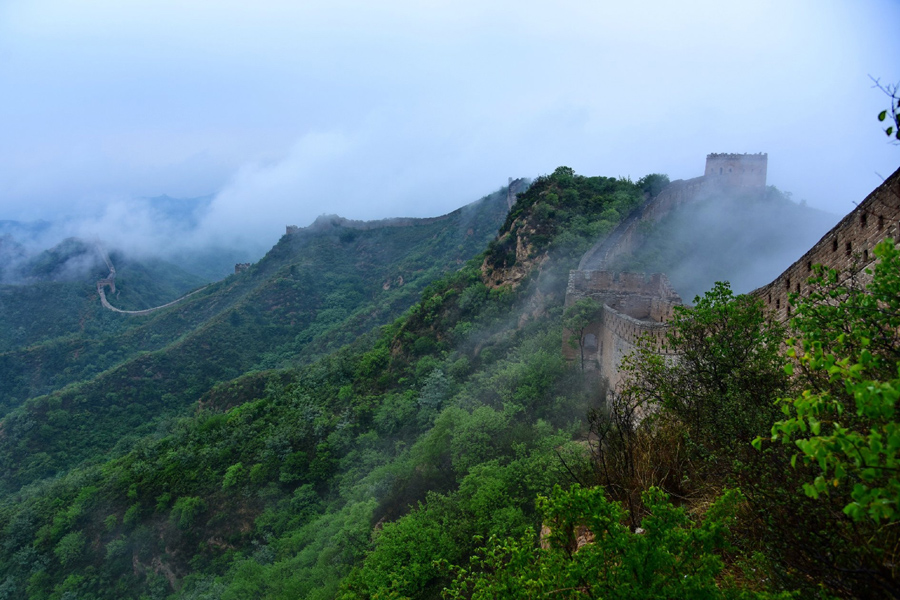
x=738 y=170
x=634 y=305
x=759 y=156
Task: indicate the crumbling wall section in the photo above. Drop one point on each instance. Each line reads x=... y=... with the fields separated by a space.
x=635 y=305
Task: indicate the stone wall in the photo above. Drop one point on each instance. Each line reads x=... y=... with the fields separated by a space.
x=634 y=305
x=847 y=247
x=724 y=172
x=738 y=170
x=618 y=336
x=637 y=305
x=627 y=237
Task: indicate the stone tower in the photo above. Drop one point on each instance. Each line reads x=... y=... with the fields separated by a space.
x=737 y=170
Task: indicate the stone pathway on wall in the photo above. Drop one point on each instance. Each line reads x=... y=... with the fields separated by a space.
x=110 y=281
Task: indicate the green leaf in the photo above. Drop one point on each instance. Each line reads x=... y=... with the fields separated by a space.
x=882 y=115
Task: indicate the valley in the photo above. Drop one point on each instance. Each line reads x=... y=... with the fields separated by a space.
x=370 y=407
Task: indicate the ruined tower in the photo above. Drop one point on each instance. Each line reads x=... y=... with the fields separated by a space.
x=737 y=170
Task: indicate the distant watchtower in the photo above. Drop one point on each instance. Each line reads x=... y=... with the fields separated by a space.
x=738 y=170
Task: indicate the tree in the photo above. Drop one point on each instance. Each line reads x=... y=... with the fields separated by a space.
x=728 y=372
x=590 y=553
x=847 y=353
x=578 y=318
x=685 y=422
x=70 y=548
x=701 y=411
x=892 y=114
x=653 y=183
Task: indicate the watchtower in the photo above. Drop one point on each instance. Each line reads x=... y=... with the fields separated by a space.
x=738 y=170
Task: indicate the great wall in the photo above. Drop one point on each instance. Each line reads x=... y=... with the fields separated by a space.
x=110 y=282
x=637 y=305
x=325 y=222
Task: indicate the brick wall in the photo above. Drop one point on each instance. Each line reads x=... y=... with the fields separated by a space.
x=738 y=170
x=634 y=305
x=847 y=247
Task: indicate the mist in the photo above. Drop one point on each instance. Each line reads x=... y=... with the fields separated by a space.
x=279 y=112
x=743 y=238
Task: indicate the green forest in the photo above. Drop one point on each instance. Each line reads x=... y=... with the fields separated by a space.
x=386 y=413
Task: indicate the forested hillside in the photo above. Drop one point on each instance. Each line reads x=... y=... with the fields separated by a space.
x=312 y=436
x=287 y=471
x=113 y=377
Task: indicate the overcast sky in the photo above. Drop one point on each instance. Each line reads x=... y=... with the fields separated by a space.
x=289 y=109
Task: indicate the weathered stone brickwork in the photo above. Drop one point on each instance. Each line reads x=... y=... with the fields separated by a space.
x=738 y=170
x=634 y=305
x=847 y=247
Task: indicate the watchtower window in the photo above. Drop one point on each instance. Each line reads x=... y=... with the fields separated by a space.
x=863 y=219
x=834 y=245
x=777 y=303
x=880 y=222
x=866 y=255
x=809 y=266
x=848 y=248
x=798 y=288
x=787 y=283
x=720 y=170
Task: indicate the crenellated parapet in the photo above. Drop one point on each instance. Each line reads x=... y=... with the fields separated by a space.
x=635 y=306
x=638 y=306
x=847 y=247
x=738 y=170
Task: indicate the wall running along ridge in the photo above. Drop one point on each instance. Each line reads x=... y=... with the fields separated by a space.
x=637 y=306
x=847 y=247
x=110 y=282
